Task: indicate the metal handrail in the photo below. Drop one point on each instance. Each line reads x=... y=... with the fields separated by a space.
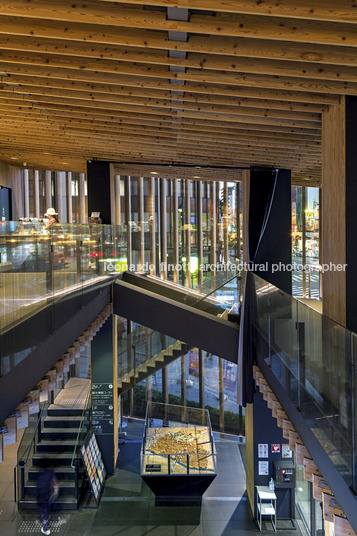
x=86 y=405
x=22 y=462
x=44 y=407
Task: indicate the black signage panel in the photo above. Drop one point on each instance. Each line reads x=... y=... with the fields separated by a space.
x=153 y=467
x=102 y=408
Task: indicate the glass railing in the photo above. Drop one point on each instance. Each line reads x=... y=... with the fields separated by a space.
x=313 y=358
x=222 y=294
x=177 y=440
x=27 y=450
x=83 y=431
x=39 y=264
x=219 y=293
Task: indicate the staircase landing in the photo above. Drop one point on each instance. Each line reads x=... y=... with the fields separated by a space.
x=73 y=395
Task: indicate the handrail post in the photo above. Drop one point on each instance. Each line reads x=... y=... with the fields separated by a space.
x=300 y=327
x=22 y=479
x=15 y=482
x=76 y=478
x=39 y=428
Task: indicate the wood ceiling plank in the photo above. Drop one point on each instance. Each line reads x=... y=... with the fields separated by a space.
x=101 y=138
x=125 y=83
x=309 y=134
x=221 y=64
x=143 y=73
x=329 y=10
x=57 y=35
x=137 y=105
x=160 y=98
x=276 y=28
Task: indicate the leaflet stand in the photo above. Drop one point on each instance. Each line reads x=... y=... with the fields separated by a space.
x=266 y=505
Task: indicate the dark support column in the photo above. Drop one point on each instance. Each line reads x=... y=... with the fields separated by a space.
x=165 y=390
x=270 y=224
x=183 y=380
x=98 y=186
x=221 y=394
x=104 y=385
x=300 y=327
x=351 y=221
x=201 y=383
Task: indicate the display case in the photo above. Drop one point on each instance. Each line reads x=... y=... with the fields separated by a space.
x=178 y=455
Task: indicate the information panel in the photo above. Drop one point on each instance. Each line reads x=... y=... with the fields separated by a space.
x=102 y=408
x=92 y=459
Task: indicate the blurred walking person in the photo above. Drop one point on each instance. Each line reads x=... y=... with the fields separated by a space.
x=47 y=491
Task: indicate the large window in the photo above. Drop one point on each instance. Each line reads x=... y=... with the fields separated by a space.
x=305 y=234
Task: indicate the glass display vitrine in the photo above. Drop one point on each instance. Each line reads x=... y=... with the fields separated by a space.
x=178 y=455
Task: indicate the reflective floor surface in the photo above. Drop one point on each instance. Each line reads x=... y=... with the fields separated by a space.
x=128 y=508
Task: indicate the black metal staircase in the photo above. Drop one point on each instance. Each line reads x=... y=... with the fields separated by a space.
x=54 y=449
x=151 y=365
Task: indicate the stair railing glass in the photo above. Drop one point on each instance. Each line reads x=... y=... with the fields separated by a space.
x=83 y=431
x=27 y=449
x=314 y=359
x=221 y=295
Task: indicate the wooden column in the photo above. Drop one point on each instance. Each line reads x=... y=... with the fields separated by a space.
x=141 y=222
x=59 y=196
x=36 y=193
x=175 y=231
x=117 y=200
x=213 y=218
x=225 y=221
x=81 y=198
x=188 y=231
x=112 y=196
x=199 y=231
x=163 y=229
x=48 y=189
x=26 y=193
x=128 y=219
x=69 y=197
x=334 y=210
x=152 y=226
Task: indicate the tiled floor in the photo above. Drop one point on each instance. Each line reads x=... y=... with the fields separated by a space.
x=128 y=507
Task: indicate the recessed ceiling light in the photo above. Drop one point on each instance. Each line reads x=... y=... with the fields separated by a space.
x=153 y=173
x=196 y=177
x=14 y=158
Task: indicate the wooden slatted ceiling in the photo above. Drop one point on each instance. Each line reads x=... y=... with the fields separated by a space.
x=93 y=80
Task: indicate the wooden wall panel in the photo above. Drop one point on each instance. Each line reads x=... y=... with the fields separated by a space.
x=333 y=239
